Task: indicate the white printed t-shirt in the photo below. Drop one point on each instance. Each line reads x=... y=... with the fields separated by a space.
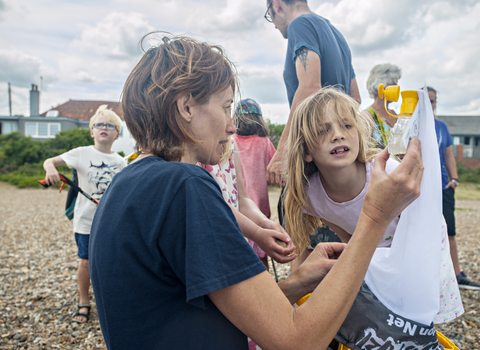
x=95 y=171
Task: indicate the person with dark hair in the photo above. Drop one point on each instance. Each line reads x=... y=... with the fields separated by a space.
x=255 y=150
x=169 y=265
x=449 y=184
x=317 y=56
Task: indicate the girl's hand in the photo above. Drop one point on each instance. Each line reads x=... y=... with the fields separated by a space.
x=266 y=239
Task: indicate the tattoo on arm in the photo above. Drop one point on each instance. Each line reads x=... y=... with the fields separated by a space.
x=302 y=56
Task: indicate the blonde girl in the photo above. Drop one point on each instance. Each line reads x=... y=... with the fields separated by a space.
x=316 y=119
x=330 y=164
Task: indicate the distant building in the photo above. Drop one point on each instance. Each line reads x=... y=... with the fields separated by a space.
x=465 y=131
x=68 y=115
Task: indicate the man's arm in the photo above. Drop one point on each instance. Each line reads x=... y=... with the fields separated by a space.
x=308 y=68
x=251 y=305
x=354 y=93
x=451 y=166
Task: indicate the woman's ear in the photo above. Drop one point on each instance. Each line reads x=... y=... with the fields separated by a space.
x=184 y=106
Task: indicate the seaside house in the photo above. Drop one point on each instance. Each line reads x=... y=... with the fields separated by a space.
x=68 y=115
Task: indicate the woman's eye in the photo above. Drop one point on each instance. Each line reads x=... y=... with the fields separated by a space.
x=347 y=126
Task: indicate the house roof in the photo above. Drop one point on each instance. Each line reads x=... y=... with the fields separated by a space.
x=460 y=125
x=83 y=110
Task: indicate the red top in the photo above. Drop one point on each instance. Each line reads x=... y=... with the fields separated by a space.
x=255 y=154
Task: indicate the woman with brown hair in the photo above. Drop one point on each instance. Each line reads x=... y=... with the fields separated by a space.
x=169 y=265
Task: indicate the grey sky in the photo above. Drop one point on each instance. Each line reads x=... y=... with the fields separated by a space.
x=85 y=50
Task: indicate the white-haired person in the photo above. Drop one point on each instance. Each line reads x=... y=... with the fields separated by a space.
x=388 y=74
x=96 y=165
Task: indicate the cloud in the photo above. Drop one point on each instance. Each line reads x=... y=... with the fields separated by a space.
x=262 y=83
x=234 y=19
x=85 y=77
x=375 y=26
x=443 y=55
x=114 y=37
x=22 y=70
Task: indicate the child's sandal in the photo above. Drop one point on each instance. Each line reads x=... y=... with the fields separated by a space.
x=81 y=314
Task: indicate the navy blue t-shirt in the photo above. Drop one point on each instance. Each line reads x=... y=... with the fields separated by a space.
x=162 y=239
x=318 y=34
x=444 y=140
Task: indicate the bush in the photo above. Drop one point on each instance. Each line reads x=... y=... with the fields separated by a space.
x=468 y=175
x=28 y=174
x=16 y=150
x=276 y=131
x=21 y=158
x=67 y=140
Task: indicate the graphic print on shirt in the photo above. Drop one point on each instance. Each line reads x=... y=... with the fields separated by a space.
x=101 y=176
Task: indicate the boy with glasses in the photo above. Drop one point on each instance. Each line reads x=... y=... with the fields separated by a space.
x=96 y=165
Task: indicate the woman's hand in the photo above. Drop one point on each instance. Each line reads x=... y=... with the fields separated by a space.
x=389 y=194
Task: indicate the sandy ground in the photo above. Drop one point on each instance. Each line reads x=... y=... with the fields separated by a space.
x=38 y=262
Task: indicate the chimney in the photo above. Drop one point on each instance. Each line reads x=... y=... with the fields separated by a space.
x=34 y=101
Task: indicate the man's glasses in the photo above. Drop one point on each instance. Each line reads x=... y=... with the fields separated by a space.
x=267 y=15
x=102 y=125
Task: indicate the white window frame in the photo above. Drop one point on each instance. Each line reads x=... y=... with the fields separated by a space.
x=49 y=132
x=13 y=126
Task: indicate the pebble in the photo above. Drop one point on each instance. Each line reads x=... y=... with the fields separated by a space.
x=38 y=262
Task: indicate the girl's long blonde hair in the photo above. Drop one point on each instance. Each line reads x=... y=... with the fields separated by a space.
x=306 y=135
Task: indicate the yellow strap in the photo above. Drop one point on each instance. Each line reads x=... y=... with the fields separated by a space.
x=447 y=343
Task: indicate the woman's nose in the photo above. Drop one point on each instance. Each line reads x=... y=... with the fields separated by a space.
x=231 y=129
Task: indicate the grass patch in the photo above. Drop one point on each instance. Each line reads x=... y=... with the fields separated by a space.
x=468 y=191
x=465 y=209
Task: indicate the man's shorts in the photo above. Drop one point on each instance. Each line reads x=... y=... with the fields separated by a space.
x=448 y=209
x=82 y=244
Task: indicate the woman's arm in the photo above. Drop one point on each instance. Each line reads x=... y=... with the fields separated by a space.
x=260 y=309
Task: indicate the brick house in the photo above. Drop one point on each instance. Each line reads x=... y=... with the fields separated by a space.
x=465 y=131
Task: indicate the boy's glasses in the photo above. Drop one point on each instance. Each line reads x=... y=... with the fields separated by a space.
x=102 y=125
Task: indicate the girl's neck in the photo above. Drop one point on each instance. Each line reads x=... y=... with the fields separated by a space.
x=344 y=184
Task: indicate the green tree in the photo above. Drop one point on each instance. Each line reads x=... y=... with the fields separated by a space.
x=276 y=131
x=69 y=139
x=21 y=158
x=16 y=150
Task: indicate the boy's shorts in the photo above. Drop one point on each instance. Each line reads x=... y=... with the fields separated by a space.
x=82 y=244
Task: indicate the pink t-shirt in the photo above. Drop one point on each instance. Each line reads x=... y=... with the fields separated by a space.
x=255 y=154
x=345 y=215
